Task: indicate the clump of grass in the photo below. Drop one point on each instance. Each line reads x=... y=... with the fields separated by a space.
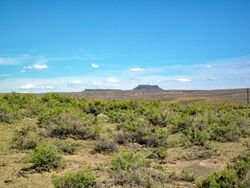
x=183 y=176
x=81 y=179
x=158 y=153
x=66 y=147
x=202 y=153
x=4 y=162
x=46 y=157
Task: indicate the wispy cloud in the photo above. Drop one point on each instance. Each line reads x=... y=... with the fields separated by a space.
x=137 y=69
x=35 y=66
x=212 y=78
x=76 y=82
x=35 y=58
x=32 y=86
x=9 y=61
x=183 y=80
x=113 y=80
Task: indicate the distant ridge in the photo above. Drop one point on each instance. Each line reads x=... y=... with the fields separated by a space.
x=102 y=90
x=147 y=88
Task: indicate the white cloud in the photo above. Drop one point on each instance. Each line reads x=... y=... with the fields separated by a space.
x=27 y=86
x=40 y=66
x=94 y=65
x=113 y=80
x=137 y=69
x=183 y=80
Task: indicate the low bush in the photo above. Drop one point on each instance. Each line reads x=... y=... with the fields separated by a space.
x=224 y=133
x=142 y=132
x=81 y=179
x=23 y=142
x=8 y=114
x=197 y=137
x=68 y=122
x=156 y=137
x=46 y=157
x=52 y=100
x=123 y=138
x=106 y=146
x=25 y=137
x=156 y=117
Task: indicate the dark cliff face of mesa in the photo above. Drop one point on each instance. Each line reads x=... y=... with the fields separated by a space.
x=147 y=88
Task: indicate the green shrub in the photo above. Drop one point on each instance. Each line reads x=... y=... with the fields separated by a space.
x=46 y=157
x=141 y=132
x=224 y=133
x=52 y=100
x=68 y=122
x=106 y=146
x=123 y=137
x=91 y=132
x=193 y=110
x=95 y=107
x=81 y=179
x=130 y=168
x=156 y=117
x=197 y=137
x=156 y=137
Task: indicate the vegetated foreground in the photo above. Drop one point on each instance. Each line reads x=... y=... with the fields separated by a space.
x=63 y=142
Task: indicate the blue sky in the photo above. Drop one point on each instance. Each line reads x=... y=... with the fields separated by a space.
x=48 y=46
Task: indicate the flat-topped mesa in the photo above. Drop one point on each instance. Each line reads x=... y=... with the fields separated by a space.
x=148 y=88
